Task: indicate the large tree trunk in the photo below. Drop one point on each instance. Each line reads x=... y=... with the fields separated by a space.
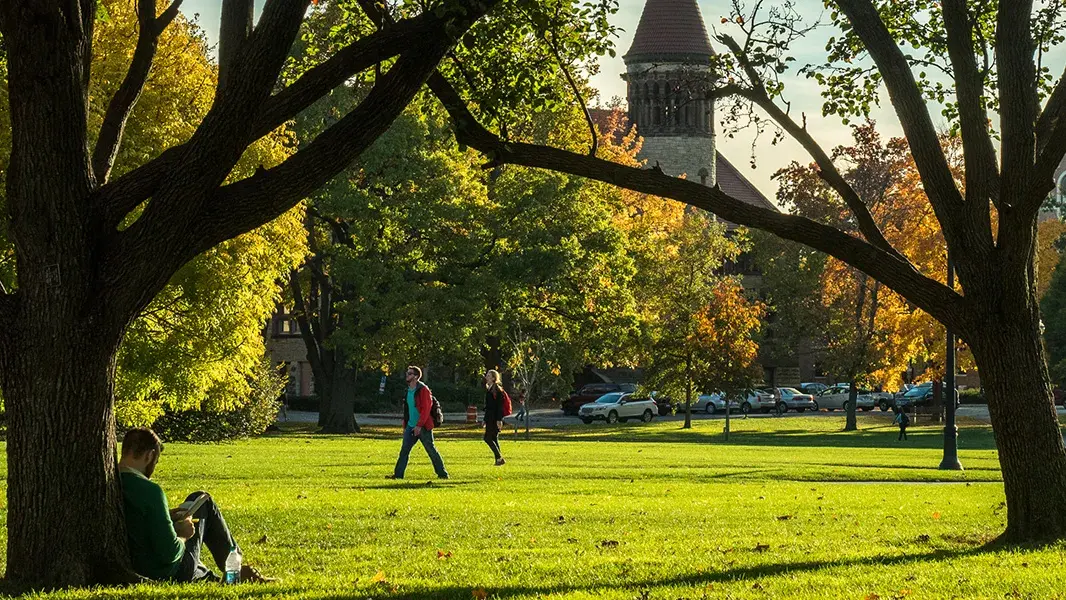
x=57 y=359
x=1032 y=456
x=340 y=415
x=58 y=385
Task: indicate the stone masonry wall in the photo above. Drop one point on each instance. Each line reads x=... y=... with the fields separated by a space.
x=678 y=155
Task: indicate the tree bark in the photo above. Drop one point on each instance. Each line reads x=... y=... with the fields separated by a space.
x=850 y=423
x=1032 y=456
x=688 y=394
x=61 y=456
x=339 y=416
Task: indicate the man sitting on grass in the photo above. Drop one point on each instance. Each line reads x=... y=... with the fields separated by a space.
x=165 y=544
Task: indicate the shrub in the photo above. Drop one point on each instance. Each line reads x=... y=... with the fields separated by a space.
x=250 y=419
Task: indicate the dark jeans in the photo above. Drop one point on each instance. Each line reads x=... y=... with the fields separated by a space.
x=409 y=441
x=211 y=531
x=902 y=433
x=492 y=438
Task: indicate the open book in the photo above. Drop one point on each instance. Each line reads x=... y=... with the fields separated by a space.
x=189 y=507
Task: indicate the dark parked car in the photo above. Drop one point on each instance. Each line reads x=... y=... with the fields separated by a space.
x=591 y=392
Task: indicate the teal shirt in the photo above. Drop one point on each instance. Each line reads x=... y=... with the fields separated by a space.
x=155 y=547
x=412 y=410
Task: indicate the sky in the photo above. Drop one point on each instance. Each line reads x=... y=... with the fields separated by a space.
x=802 y=93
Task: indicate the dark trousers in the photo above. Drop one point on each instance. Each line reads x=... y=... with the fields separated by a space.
x=902 y=433
x=211 y=531
x=409 y=441
x=492 y=438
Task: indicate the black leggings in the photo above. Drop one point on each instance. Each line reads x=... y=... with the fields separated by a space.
x=492 y=438
x=902 y=433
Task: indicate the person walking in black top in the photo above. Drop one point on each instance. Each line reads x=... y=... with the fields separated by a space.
x=493 y=413
x=903 y=421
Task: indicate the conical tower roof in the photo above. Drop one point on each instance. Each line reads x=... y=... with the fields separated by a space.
x=671 y=31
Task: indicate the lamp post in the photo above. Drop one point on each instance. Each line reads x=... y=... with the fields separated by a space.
x=951 y=431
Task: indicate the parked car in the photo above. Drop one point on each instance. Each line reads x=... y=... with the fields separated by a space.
x=713 y=403
x=592 y=391
x=838 y=396
x=813 y=388
x=791 y=398
x=919 y=395
x=618 y=406
x=664 y=403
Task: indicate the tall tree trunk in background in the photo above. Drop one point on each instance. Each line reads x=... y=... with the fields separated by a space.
x=850 y=423
x=688 y=393
x=340 y=415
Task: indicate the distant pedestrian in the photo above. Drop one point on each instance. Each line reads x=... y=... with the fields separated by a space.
x=521 y=414
x=418 y=425
x=495 y=411
x=903 y=421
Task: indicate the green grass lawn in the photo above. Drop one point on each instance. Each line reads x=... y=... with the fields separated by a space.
x=788 y=508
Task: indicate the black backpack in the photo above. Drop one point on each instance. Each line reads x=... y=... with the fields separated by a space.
x=435 y=411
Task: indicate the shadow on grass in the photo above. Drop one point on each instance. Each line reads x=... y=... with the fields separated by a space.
x=701 y=579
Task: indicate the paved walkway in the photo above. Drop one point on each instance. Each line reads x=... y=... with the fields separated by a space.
x=553 y=417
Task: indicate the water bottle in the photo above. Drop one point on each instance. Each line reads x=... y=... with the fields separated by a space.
x=233 y=566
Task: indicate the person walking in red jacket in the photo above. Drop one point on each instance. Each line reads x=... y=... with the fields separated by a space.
x=418 y=425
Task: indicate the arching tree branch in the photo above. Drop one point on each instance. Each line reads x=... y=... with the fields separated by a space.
x=933 y=297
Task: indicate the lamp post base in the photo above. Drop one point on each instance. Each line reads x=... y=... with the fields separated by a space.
x=951 y=450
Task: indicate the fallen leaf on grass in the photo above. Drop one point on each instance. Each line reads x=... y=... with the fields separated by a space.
x=480 y=594
x=924 y=537
x=379 y=577
x=785 y=517
x=936 y=515
x=872 y=596
x=756 y=586
x=762 y=547
x=441 y=555
x=608 y=544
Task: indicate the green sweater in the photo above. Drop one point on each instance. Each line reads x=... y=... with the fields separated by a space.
x=155 y=548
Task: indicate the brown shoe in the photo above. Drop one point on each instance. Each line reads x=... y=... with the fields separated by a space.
x=249 y=574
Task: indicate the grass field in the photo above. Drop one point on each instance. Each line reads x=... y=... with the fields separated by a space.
x=788 y=508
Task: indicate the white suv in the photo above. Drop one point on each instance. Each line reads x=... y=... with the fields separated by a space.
x=618 y=406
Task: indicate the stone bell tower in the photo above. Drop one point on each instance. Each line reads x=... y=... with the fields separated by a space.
x=668 y=72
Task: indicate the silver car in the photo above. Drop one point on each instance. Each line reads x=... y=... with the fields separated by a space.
x=837 y=397
x=793 y=399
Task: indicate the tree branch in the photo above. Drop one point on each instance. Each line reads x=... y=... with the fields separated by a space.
x=1050 y=142
x=124 y=194
x=982 y=171
x=933 y=297
x=234 y=29
x=911 y=109
x=238 y=207
x=827 y=170
x=1018 y=104
x=118 y=110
